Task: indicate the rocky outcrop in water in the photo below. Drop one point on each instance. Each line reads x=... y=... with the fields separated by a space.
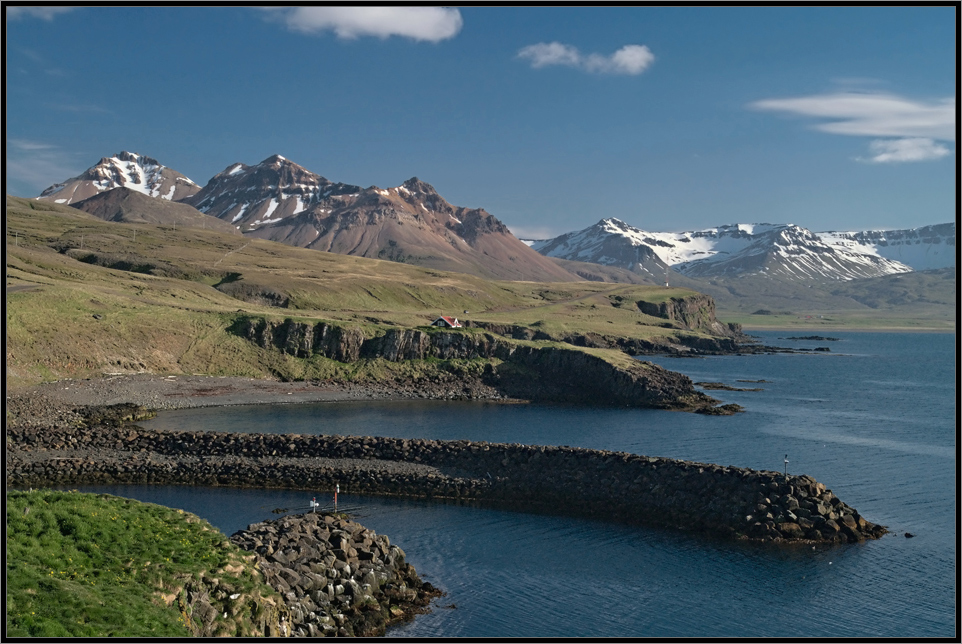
x=337 y=577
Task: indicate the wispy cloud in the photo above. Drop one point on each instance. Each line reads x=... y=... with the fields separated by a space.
x=630 y=59
x=912 y=126
x=533 y=232
x=44 y=13
x=905 y=150
x=36 y=165
x=432 y=24
x=83 y=108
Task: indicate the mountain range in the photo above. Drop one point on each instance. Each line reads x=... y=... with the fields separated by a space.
x=778 y=251
x=282 y=201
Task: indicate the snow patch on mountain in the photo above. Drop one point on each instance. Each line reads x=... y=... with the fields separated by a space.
x=924 y=248
x=784 y=250
x=128 y=170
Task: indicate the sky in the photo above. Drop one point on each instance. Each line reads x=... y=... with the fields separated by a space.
x=669 y=118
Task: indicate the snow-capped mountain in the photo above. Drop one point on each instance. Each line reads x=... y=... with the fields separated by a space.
x=612 y=243
x=782 y=250
x=282 y=201
x=251 y=197
x=922 y=248
x=128 y=170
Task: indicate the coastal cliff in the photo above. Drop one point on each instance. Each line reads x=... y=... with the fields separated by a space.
x=516 y=369
x=695 y=313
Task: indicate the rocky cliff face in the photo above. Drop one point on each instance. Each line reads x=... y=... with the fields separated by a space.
x=547 y=374
x=693 y=313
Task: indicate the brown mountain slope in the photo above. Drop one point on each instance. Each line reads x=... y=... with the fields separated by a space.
x=125 y=205
x=411 y=223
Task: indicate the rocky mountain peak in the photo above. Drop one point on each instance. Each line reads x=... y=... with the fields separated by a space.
x=125 y=169
x=417 y=186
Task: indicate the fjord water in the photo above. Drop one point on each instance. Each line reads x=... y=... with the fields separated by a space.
x=874 y=420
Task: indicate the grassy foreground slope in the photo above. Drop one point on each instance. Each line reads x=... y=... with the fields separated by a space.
x=87 y=297
x=88 y=565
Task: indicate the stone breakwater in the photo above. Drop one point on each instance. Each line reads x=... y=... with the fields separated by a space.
x=730 y=502
x=337 y=577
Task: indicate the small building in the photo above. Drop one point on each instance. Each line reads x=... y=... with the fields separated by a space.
x=447 y=321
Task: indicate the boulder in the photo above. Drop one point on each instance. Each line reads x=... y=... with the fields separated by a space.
x=791 y=530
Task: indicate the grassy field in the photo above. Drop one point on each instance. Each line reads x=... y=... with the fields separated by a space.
x=86 y=297
x=86 y=565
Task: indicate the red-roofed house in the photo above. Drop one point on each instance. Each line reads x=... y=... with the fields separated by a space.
x=448 y=321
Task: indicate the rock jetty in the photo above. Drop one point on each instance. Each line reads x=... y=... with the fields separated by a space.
x=728 y=501
x=337 y=577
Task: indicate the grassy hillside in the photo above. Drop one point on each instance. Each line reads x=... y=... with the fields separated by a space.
x=86 y=296
x=86 y=565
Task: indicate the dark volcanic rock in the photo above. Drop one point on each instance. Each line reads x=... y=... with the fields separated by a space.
x=360 y=590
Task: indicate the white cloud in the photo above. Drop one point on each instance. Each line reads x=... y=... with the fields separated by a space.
x=30 y=146
x=34 y=166
x=912 y=127
x=630 y=59
x=418 y=23
x=862 y=114
x=905 y=150
x=44 y=13
x=550 y=53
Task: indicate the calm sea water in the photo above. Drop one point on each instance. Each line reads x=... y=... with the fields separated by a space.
x=874 y=420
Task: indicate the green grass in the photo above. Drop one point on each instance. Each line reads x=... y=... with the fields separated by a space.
x=86 y=565
x=70 y=319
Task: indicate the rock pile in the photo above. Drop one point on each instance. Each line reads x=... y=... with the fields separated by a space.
x=336 y=576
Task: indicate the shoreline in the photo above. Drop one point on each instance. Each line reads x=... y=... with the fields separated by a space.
x=193 y=391
x=837 y=329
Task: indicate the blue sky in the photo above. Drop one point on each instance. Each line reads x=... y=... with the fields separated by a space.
x=669 y=118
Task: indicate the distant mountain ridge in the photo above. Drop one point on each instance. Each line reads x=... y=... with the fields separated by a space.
x=282 y=201
x=783 y=251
